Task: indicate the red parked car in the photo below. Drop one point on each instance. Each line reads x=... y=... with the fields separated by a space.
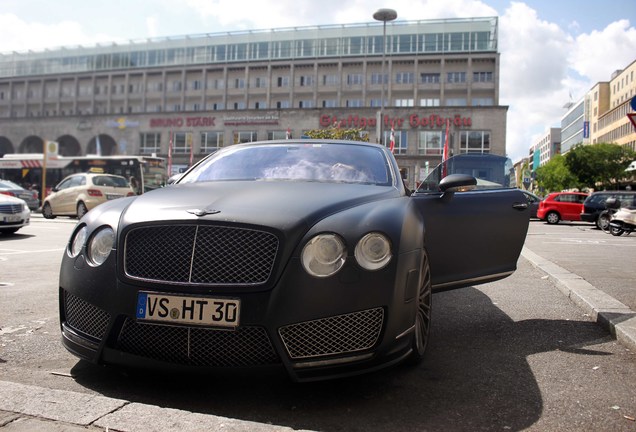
x=560 y=206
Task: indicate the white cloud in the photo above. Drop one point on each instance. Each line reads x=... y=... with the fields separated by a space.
x=543 y=67
x=598 y=54
x=21 y=36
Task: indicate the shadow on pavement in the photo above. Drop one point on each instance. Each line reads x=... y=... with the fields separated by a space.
x=467 y=382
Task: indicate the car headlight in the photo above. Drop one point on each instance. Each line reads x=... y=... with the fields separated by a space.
x=373 y=251
x=100 y=245
x=77 y=242
x=324 y=255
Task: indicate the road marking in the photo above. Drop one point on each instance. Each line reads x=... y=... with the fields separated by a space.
x=19 y=251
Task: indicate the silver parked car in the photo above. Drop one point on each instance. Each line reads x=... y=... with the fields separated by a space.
x=14 y=214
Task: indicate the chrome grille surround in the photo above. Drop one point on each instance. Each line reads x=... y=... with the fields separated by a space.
x=200 y=254
x=11 y=208
x=341 y=334
x=84 y=317
x=196 y=346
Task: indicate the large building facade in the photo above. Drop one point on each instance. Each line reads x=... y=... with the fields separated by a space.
x=200 y=93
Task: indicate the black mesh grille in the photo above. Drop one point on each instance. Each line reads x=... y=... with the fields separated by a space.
x=333 y=335
x=201 y=254
x=246 y=346
x=84 y=317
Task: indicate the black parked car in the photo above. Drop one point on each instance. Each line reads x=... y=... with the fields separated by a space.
x=309 y=255
x=595 y=204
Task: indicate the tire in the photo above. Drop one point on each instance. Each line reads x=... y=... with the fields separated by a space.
x=81 y=209
x=603 y=221
x=552 y=218
x=422 y=315
x=47 y=211
x=9 y=231
x=616 y=231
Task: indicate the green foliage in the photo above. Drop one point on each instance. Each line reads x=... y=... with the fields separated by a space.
x=599 y=165
x=338 y=133
x=555 y=176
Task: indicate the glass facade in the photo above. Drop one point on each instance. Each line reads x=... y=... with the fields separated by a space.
x=468 y=35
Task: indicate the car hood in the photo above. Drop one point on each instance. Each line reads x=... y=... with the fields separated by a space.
x=277 y=204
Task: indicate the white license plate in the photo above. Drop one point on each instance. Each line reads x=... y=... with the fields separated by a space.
x=206 y=311
x=113 y=196
x=12 y=218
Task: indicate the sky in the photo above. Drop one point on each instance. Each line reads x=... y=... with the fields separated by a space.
x=552 y=51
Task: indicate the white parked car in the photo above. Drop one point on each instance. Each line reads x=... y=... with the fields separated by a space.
x=14 y=214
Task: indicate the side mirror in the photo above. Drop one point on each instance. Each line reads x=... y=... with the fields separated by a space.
x=458 y=183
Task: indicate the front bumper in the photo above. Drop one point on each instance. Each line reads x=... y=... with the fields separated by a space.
x=355 y=325
x=589 y=217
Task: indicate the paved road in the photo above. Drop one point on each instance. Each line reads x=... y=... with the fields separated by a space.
x=466 y=383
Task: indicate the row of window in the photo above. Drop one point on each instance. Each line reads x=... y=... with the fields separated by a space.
x=240 y=83
x=429 y=143
x=241 y=105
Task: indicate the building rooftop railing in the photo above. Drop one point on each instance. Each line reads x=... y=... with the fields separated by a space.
x=320 y=41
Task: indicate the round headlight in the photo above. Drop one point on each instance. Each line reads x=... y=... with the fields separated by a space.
x=324 y=255
x=78 y=241
x=373 y=251
x=100 y=245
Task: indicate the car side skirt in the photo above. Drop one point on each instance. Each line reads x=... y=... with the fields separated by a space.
x=470 y=282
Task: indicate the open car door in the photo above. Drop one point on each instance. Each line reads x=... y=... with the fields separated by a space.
x=472 y=236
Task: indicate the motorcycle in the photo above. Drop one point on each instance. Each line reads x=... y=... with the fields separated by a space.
x=623 y=221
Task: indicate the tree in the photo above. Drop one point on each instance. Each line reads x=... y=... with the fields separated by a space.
x=599 y=165
x=336 y=132
x=555 y=176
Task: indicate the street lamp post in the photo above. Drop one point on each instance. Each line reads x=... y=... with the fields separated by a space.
x=383 y=15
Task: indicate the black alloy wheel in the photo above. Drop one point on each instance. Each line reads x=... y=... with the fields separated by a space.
x=423 y=314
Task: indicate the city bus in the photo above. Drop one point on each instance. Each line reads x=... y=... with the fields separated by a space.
x=144 y=172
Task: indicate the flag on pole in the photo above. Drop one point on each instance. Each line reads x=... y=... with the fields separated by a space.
x=98 y=146
x=446 y=143
x=445 y=151
x=191 y=148
x=170 y=155
x=392 y=143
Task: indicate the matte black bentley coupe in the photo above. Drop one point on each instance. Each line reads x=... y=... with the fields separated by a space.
x=308 y=255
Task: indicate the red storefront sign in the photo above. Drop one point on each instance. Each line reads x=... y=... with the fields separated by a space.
x=433 y=121
x=177 y=122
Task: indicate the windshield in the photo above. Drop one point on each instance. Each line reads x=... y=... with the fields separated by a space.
x=491 y=171
x=322 y=162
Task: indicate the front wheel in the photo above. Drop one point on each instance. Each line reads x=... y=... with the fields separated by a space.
x=552 y=218
x=81 y=210
x=423 y=314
